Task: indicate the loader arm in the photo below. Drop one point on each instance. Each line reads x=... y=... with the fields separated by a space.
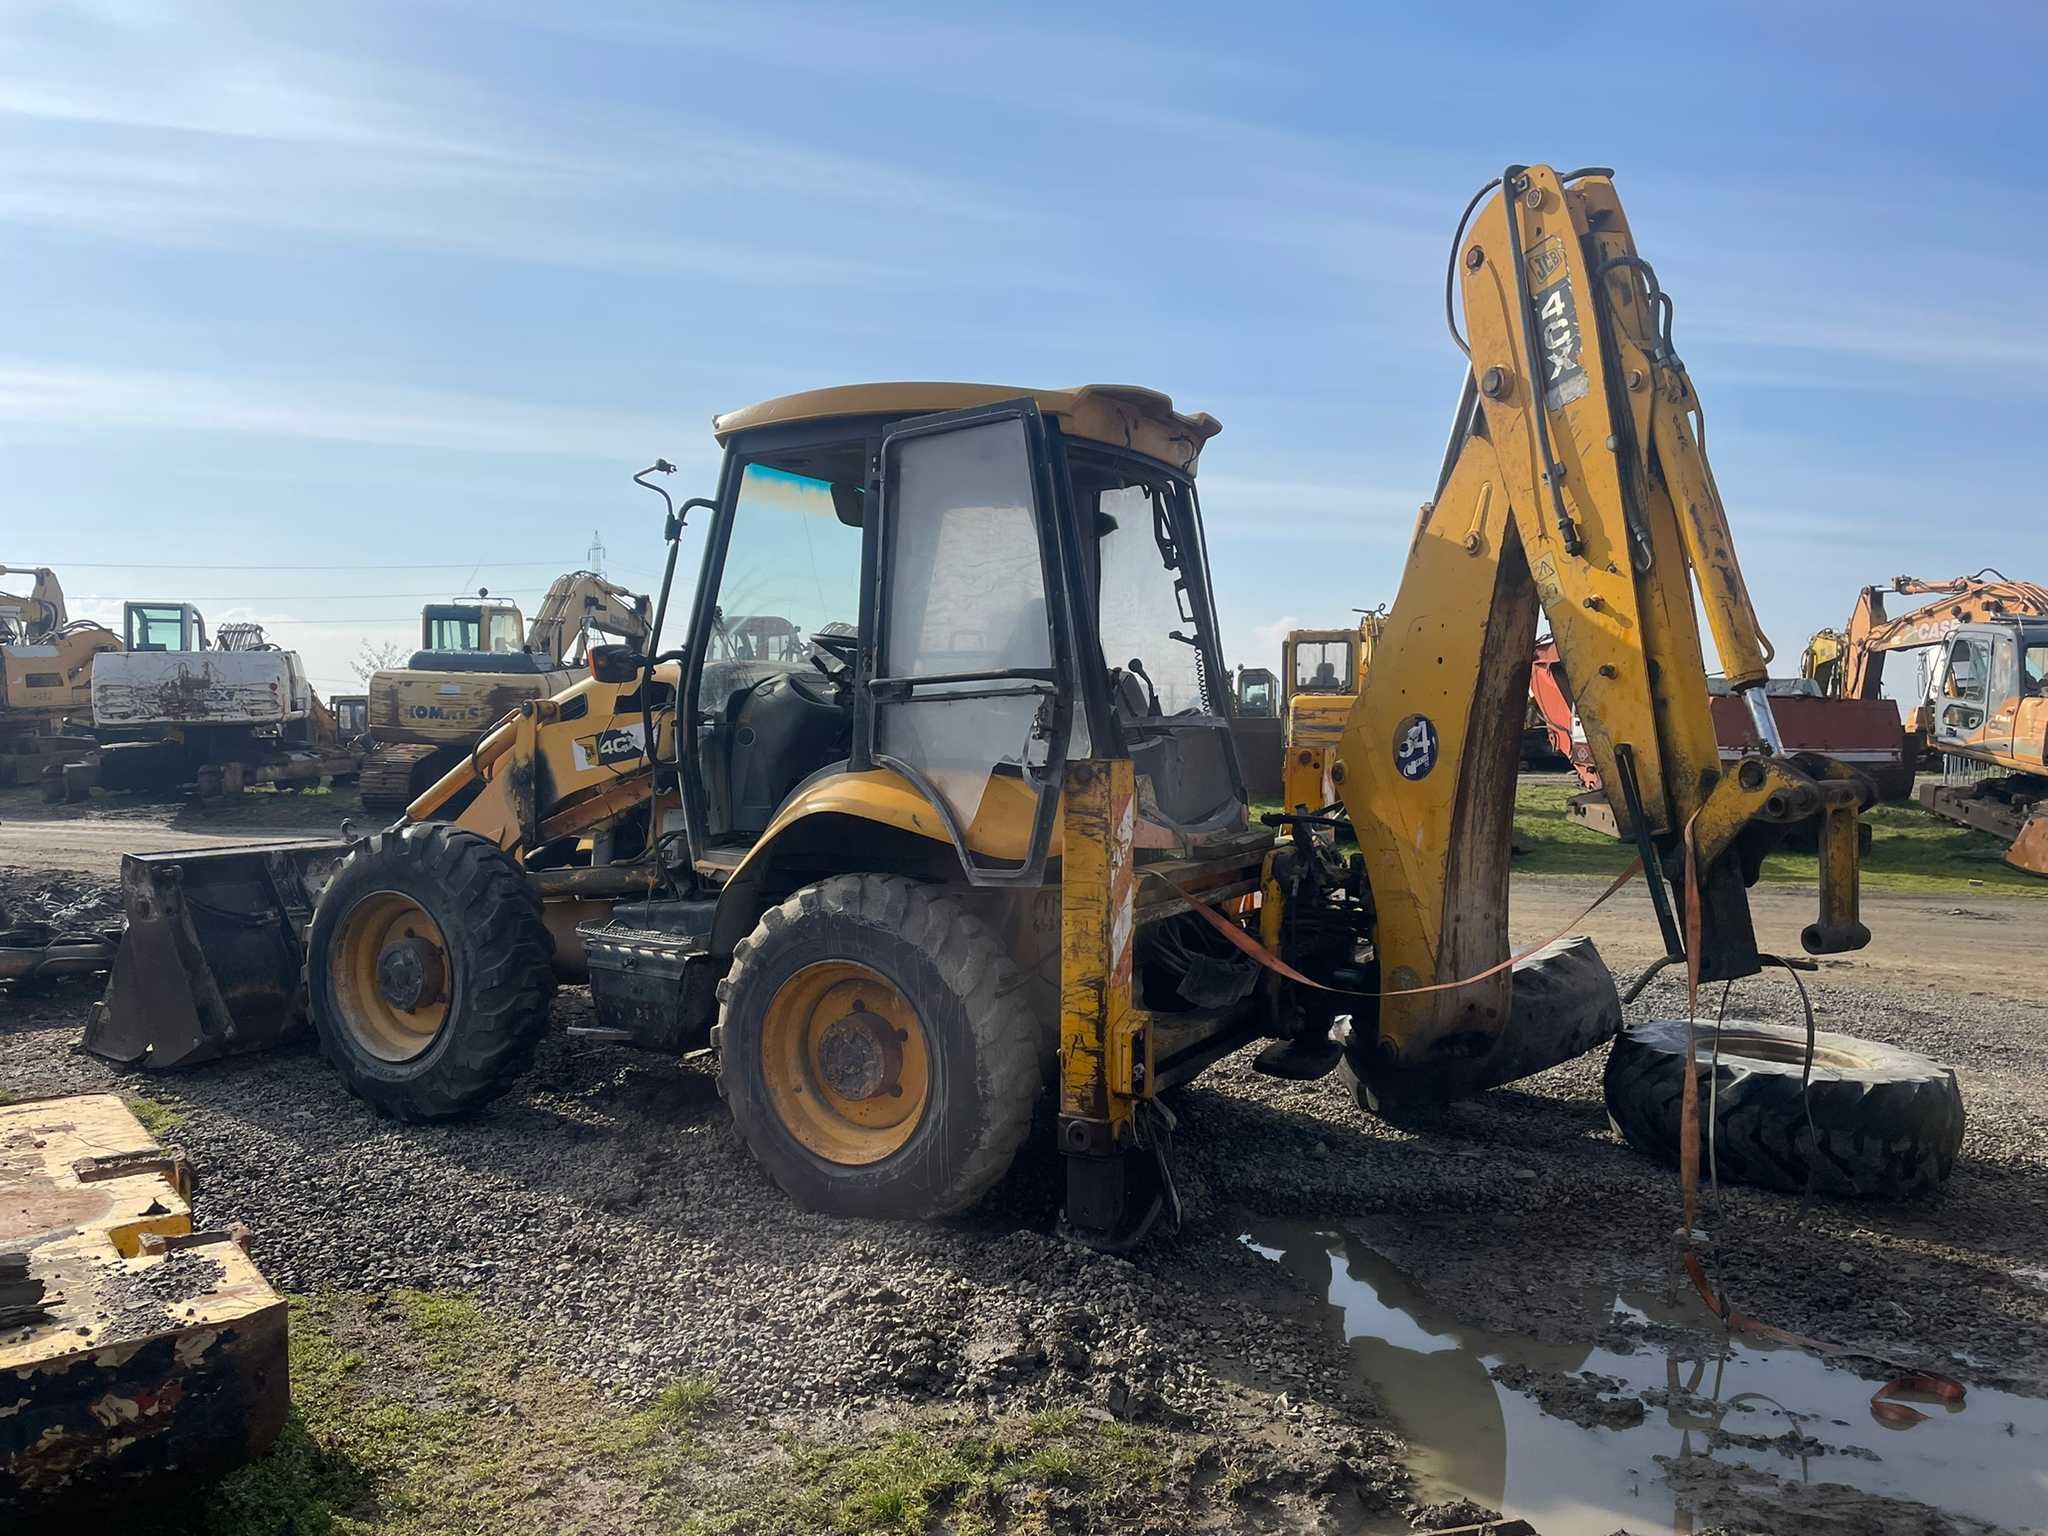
x=1574 y=482
x=582 y=601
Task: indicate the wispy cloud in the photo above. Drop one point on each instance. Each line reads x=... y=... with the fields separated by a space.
x=244 y=132
x=162 y=400
x=1341 y=512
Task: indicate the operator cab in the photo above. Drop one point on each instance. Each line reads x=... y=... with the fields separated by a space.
x=966 y=598
x=162 y=627
x=1982 y=675
x=478 y=636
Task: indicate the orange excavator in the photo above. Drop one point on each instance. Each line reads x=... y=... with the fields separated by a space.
x=1986 y=709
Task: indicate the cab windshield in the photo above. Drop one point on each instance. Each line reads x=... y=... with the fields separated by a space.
x=1322 y=666
x=453 y=629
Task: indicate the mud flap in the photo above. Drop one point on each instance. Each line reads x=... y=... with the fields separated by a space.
x=211 y=965
x=1562 y=1005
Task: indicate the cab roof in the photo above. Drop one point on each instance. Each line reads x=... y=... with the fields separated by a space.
x=1122 y=415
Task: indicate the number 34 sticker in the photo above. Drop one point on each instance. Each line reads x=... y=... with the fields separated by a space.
x=1415 y=747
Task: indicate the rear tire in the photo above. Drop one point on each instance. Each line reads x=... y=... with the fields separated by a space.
x=876 y=1049
x=1887 y=1122
x=429 y=971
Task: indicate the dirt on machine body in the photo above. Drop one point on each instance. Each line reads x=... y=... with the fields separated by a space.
x=478 y=661
x=946 y=816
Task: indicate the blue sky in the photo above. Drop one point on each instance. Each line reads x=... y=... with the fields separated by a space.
x=314 y=312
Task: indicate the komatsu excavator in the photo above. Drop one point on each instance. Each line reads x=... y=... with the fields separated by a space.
x=478 y=661
x=1986 y=711
x=982 y=836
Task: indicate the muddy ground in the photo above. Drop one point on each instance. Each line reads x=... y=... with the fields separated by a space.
x=1359 y=1327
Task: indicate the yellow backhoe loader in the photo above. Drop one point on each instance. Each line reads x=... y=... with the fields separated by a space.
x=1322 y=671
x=982 y=834
x=45 y=676
x=478 y=661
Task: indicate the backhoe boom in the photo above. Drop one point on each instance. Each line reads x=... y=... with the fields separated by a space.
x=1576 y=483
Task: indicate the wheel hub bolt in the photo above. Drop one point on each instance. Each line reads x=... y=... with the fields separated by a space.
x=409 y=974
x=860 y=1056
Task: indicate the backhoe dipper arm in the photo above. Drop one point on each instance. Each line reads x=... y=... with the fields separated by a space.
x=1575 y=481
x=584 y=600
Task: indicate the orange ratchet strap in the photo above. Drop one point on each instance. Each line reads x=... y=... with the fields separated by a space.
x=1272 y=962
x=1894 y=1415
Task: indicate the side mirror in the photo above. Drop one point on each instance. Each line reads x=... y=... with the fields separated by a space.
x=615 y=663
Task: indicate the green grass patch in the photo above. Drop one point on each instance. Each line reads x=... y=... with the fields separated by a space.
x=682 y=1403
x=418 y=1413
x=1910 y=850
x=157 y=1118
x=448 y=1326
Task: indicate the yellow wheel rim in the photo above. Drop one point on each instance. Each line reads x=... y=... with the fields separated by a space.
x=846 y=1062
x=391 y=975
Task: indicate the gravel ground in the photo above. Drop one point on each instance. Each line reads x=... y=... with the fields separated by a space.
x=605 y=1205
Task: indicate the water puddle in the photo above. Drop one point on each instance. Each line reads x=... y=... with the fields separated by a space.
x=1574 y=1464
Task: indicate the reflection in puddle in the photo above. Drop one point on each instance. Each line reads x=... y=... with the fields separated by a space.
x=1778 y=1410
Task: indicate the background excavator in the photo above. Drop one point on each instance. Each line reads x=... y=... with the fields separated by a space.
x=983 y=834
x=478 y=661
x=45 y=676
x=174 y=706
x=1985 y=713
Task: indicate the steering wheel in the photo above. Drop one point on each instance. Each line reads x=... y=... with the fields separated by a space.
x=833 y=653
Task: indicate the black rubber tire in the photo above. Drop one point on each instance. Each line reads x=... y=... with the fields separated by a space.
x=501 y=960
x=1887 y=1122
x=968 y=994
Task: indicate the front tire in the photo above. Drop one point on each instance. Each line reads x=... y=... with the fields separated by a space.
x=429 y=971
x=876 y=1050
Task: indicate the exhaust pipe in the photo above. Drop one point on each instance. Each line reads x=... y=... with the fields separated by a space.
x=213 y=963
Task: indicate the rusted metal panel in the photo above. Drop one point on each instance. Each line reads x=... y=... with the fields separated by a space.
x=137 y=689
x=136 y=1357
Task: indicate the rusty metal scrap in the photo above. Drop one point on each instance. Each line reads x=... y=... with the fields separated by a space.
x=136 y=1356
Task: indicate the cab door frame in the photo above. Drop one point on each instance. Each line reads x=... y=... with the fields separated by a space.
x=878 y=690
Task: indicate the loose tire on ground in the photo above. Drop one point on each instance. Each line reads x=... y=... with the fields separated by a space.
x=876 y=1050
x=429 y=971
x=1886 y=1122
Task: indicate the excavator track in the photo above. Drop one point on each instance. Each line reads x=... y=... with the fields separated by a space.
x=386 y=782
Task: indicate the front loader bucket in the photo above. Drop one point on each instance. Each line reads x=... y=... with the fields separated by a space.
x=211 y=965
x=2029 y=851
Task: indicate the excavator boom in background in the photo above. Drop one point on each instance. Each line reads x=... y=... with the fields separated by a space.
x=46 y=661
x=952 y=815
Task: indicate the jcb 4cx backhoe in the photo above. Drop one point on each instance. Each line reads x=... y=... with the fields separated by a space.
x=981 y=833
